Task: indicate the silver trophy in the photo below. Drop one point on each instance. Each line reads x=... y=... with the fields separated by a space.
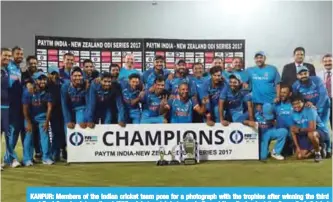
x=173 y=156
x=162 y=161
x=190 y=149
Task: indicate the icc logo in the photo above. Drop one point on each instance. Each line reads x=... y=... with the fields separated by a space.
x=236 y=137
x=76 y=139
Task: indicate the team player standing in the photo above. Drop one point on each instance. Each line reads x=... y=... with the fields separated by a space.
x=296 y=116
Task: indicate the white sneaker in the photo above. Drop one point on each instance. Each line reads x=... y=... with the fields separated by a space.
x=28 y=163
x=48 y=162
x=277 y=156
x=15 y=164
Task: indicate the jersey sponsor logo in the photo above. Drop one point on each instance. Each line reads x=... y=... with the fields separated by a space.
x=236 y=136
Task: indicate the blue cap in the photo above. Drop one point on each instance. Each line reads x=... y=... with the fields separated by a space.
x=236 y=76
x=301 y=68
x=52 y=69
x=37 y=75
x=262 y=53
x=268 y=110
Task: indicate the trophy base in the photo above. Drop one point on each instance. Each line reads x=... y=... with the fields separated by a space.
x=174 y=162
x=162 y=163
x=190 y=161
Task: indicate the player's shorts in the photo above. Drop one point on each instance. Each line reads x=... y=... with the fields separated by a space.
x=305 y=143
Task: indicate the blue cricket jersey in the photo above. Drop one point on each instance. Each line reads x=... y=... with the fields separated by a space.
x=199 y=82
x=37 y=103
x=4 y=88
x=301 y=119
x=263 y=124
x=243 y=75
x=234 y=102
x=314 y=92
x=226 y=74
x=150 y=75
x=172 y=85
x=64 y=75
x=263 y=83
x=213 y=93
x=284 y=111
x=125 y=73
x=129 y=94
x=151 y=104
x=15 y=86
x=182 y=112
x=100 y=101
x=72 y=99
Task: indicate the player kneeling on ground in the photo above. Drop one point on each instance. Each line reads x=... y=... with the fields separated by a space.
x=308 y=131
x=37 y=107
x=268 y=132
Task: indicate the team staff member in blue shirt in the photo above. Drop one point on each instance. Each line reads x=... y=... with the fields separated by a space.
x=264 y=80
x=64 y=72
x=74 y=99
x=128 y=68
x=37 y=107
x=308 y=131
x=57 y=120
x=233 y=100
x=315 y=94
x=150 y=75
x=151 y=101
x=212 y=89
x=15 y=106
x=180 y=76
x=133 y=92
x=5 y=58
x=101 y=96
x=182 y=106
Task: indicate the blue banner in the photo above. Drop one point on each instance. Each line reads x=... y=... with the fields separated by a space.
x=178 y=194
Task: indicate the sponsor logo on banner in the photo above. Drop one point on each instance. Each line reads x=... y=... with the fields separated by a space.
x=116 y=59
x=53 y=58
x=250 y=137
x=42 y=63
x=106 y=65
x=137 y=65
x=44 y=70
x=52 y=64
x=189 y=60
x=63 y=52
x=97 y=65
x=96 y=59
x=161 y=53
x=208 y=65
x=150 y=53
x=75 y=53
x=189 y=54
x=149 y=65
x=76 y=59
x=52 y=52
x=199 y=54
x=137 y=54
x=219 y=54
x=106 y=54
x=77 y=64
x=239 y=54
x=41 y=57
x=135 y=143
x=126 y=53
x=170 y=60
x=179 y=54
x=149 y=59
x=200 y=60
x=170 y=65
x=228 y=54
x=228 y=60
x=227 y=65
x=95 y=53
x=209 y=54
x=85 y=53
x=106 y=59
x=84 y=58
x=209 y=60
x=41 y=51
x=169 y=54
x=137 y=59
x=116 y=54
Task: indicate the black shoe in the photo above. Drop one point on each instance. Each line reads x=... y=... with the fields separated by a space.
x=329 y=155
x=38 y=157
x=64 y=154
